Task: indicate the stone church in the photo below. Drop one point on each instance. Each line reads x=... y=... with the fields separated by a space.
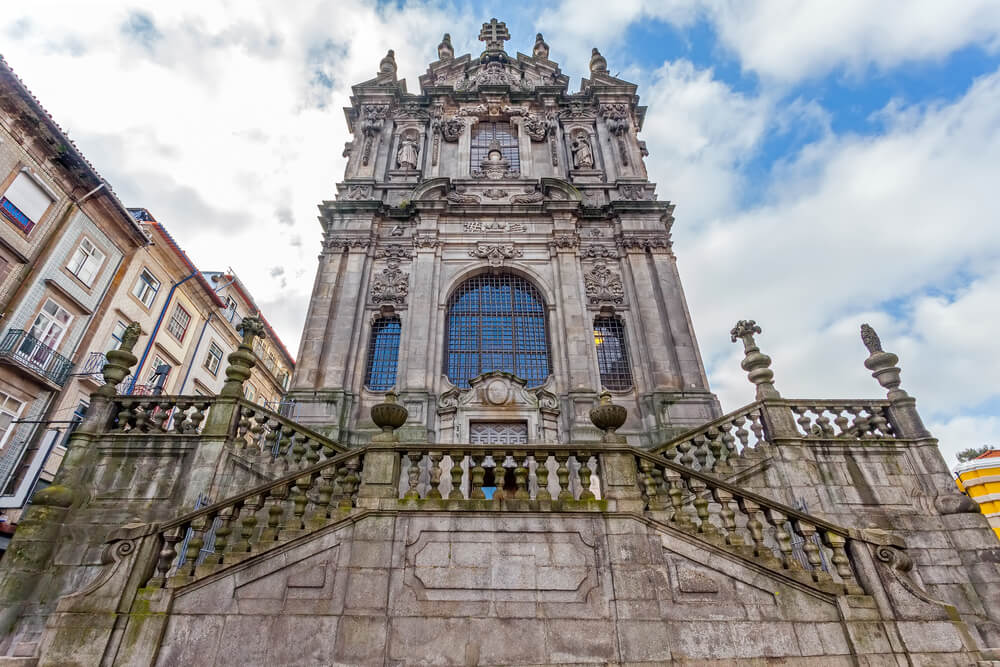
x=504 y=450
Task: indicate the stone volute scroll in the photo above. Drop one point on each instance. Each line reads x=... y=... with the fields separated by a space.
x=242 y=361
x=755 y=363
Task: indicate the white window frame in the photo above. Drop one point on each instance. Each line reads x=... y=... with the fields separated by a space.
x=35 y=216
x=170 y=323
x=7 y=409
x=144 y=289
x=212 y=346
x=47 y=320
x=88 y=261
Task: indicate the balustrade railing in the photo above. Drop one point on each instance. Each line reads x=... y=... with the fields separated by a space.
x=179 y=415
x=27 y=351
x=752 y=525
x=539 y=474
x=240 y=526
x=264 y=434
x=840 y=419
x=720 y=445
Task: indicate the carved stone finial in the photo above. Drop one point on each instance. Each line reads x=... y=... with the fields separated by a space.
x=870 y=339
x=541 y=49
x=388 y=64
x=388 y=415
x=120 y=361
x=242 y=361
x=494 y=33
x=609 y=418
x=597 y=63
x=755 y=363
x=445 y=50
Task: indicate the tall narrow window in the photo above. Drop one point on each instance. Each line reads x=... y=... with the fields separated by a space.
x=383 y=354
x=117 y=334
x=496 y=322
x=179 y=322
x=484 y=134
x=214 y=358
x=10 y=409
x=25 y=202
x=85 y=262
x=612 y=354
x=146 y=288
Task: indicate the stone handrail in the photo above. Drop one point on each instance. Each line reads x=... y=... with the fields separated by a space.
x=263 y=432
x=714 y=446
x=738 y=520
x=543 y=476
x=176 y=415
x=839 y=418
x=260 y=517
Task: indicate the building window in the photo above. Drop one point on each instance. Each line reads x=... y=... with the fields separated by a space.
x=179 y=322
x=85 y=262
x=146 y=288
x=496 y=322
x=250 y=392
x=48 y=329
x=159 y=371
x=484 y=134
x=612 y=353
x=231 y=310
x=214 y=359
x=25 y=202
x=10 y=409
x=117 y=334
x=383 y=354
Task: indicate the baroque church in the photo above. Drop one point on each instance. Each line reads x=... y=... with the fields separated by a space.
x=504 y=449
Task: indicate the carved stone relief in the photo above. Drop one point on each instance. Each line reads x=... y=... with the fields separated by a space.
x=603 y=285
x=499 y=396
x=634 y=192
x=359 y=192
x=496 y=253
x=391 y=285
x=493 y=226
x=406 y=153
x=616 y=117
x=583 y=156
x=394 y=251
x=372 y=118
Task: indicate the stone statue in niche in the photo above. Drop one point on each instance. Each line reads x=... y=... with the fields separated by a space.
x=406 y=156
x=583 y=156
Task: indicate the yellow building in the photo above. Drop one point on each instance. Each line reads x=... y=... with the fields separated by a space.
x=980 y=479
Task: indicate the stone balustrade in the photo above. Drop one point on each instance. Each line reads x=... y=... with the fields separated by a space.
x=236 y=528
x=177 y=415
x=840 y=419
x=722 y=445
x=265 y=434
x=749 y=524
x=514 y=476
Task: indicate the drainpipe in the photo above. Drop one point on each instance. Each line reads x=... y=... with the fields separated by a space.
x=156 y=328
x=194 y=357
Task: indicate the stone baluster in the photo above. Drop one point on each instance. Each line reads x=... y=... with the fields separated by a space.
x=700 y=492
x=248 y=524
x=275 y=512
x=167 y=555
x=499 y=473
x=862 y=425
x=270 y=443
x=686 y=456
x=742 y=435
x=807 y=532
x=542 y=475
x=650 y=486
x=351 y=482
x=456 y=475
x=803 y=420
x=195 y=542
x=584 y=473
x=841 y=562
x=676 y=493
x=562 y=474
x=142 y=422
x=714 y=436
x=299 y=501
x=325 y=495
x=435 y=475
x=879 y=423
x=727 y=449
x=755 y=527
x=701 y=451
x=477 y=473
x=823 y=422
x=314 y=450
x=778 y=520
x=841 y=420
x=298 y=446
x=413 y=475
x=521 y=475
x=728 y=516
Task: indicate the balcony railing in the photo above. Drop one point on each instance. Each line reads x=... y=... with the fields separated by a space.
x=27 y=351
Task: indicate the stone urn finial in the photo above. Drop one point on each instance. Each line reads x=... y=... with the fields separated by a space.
x=541 y=49
x=445 y=49
x=755 y=363
x=598 y=64
x=120 y=361
x=388 y=64
x=882 y=364
x=388 y=415
x=609 y=418
x=243 y=359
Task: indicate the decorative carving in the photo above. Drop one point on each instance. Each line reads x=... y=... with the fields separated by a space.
x=495 y=166
x=358 y=192
x=646 y=242
x=616 y=117
x=459 y=197
x=634 y=192
x=496 y=253
x=603 y=285
x=425 y=241
x=531 y=195
x=372 y=118
x=755 y=363
x=445 y=49
x=346 y=242
x=494 y=226
x=452 y=128
x=598 y=252
x=565 y=240
x=493 y=73
x=536 y=127
x=494 y=34
x=870 y=339
x=583 y=156
x=406 y=155
x=394 y=251
x=577 y=111
x=348 y=149
x=411 y=110
x=391 y=285
x=541 y=49
x=388 y=64
x=476 y=110
x=494 y=193
x=598 y=64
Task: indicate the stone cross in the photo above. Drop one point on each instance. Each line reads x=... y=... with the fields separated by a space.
x=494 y=34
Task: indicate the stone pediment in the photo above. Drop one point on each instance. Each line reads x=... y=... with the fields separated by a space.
x=498 y=389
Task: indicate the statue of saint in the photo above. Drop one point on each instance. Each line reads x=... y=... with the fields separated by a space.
x=406 y=156
x=583 y=157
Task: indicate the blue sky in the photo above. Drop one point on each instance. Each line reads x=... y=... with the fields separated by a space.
x=831 y=163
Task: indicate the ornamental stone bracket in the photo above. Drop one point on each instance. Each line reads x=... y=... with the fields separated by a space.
x=394 y=251
x=496 y=253
x=346 y=242
x=658 y=242
x=498 y=396
x=603 y=286
x=391 y=286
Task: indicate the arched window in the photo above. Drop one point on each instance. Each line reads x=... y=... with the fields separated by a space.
x=383 y=354
x=612 y=353
x=496 y=322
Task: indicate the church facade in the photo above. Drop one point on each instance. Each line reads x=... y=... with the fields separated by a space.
x=505 y=450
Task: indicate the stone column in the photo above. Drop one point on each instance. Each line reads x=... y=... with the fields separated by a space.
x=306 y=375
x=655 y=335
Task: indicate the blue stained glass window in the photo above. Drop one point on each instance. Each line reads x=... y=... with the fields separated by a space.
x=383 y=354
x=496 y=322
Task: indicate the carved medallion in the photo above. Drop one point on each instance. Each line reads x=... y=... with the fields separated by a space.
x=391 y=285
x=496 y=253
x=603 y=285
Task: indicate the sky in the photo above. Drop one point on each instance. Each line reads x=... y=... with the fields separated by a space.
x=832 y=163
